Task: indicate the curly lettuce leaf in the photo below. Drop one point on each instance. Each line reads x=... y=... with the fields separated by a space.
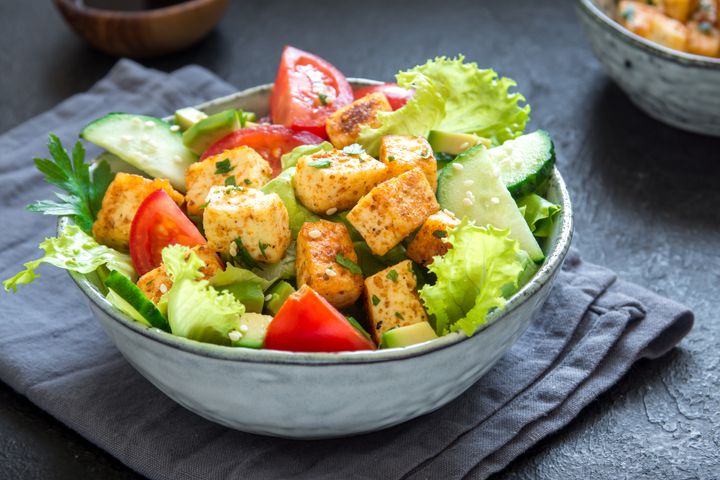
x=540 y=214
x=471 y=277
x=76 y=251
x=417 y=117
x=195 y=310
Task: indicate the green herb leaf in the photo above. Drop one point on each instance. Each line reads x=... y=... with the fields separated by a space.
x=322 y=163
x=375 y=300
x=399 y=315
x=439 y=234
x=392 y=275
x=391 y=158
x=243 y=257
x=247 y=181
x=84 y=192
x=323 y=99
x=230 y=181
x=354 y=149
x=358 y=327
x=262 y=246
x=349 y=264
x=223 y=166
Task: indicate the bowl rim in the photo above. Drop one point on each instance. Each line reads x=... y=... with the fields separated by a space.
x=182 y=7
x=544 y=274
x=683 y=58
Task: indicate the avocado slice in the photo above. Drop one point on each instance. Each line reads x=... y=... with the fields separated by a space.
x=252 y=331
x=209 y=130
x=278 y=293
x=454 y=143
x=409 y=335
x=249 y=294
x=188 y=116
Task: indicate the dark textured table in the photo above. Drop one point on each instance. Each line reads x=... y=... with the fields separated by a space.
x=646 y=198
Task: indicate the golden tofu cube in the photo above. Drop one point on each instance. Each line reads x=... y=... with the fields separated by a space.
x=259 y=220
x=318 y=246
x=241 y=166
x=668 y=32
x=393 y=209
x=677 y=9
x=391 y=299
x=636 y=17
x=428 y=241
x=703 y=40
x=344 y=125
x=402 y=153
x=120 y=203
x=327 y=182
x=157 y=281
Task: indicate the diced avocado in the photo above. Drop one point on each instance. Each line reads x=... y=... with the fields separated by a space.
x=278 y=294
x=409 y=335
x=297 y=213
x=249 y=294
x=252 y=331
x=211 y=129
x=454 y=143
x=188 y=116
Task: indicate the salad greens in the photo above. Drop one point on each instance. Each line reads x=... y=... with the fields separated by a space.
x=76 y=251
x=471 y=277
x=290 y=159
x=539 y=213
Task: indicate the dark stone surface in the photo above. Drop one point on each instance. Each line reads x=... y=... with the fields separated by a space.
x=646 y=199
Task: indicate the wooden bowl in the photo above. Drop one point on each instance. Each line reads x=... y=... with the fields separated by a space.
x=146 y=33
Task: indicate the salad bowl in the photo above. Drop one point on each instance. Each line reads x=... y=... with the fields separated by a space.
x=325 y=395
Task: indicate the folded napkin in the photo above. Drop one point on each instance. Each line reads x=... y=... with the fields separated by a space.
x=588 y=334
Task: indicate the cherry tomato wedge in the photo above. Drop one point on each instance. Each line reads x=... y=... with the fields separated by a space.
x=306 y=322
x=159 y=222
x=396 y=95
x=270 y=141
x=307 y=90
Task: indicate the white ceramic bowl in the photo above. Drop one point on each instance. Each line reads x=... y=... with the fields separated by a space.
x=677 y=88
x=320 y=395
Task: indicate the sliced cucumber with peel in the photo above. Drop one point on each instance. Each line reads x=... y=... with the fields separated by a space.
x=525 y=162
x=146 y=143
x=131 y=300
x=471 y=187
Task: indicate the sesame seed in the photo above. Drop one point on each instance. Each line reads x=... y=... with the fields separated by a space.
x=149 y=124
x=232 y=249
x=314 y=233
x=136 y=121
x=495 y=200
x=175 y=128
x=234 y=335
x=330 y=272
x=268 y=297
x=163 y=288
x=468 y=183
x=244 y=328
x=458 y=166
x=331 y=211
x=468 y=202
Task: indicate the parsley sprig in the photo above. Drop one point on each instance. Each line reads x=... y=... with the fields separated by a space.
x=84 y=192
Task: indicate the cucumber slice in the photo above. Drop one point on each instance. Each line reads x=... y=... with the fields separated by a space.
x=254 y=335
x=471 y=187
x=525 y=162
x=134 y=300
x=146 y=143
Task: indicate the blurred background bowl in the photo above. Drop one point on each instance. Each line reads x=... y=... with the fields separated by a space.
x=677 y=88
x=142 y=34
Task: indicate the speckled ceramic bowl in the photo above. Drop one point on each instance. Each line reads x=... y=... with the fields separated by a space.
x=677 y=88
x=320 y=395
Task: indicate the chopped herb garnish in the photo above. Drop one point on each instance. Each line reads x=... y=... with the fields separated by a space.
x=705 y=27
x=392 y=275
x=230 y=181
x=628 y=13
x=223 y=166
x=375 y=300
x=322 y=163
x=391 y=158
x=204 y=205
x=354 y=149
x=262 y=246
x=323 y=99
x=425 y=153
x=247 y=181
x=439 y=234
x=243 y=256
x=349 y=264
x=399 y=315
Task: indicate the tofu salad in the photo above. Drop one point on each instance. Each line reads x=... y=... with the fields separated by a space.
x=378 y=217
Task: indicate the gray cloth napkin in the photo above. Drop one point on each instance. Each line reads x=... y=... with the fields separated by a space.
x=52 y=350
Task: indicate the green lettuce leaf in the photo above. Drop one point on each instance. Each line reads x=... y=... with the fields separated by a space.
x=282 y=185
x=471 y=277
x=195 y=310
x=540 y=214
x=76 y=251
x=290 y=159
x=233 y=274
x=282 y=270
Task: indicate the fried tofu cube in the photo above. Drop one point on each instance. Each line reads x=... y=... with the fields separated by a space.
x=402 y=153
x=157 y=281
x=259 y=220
x=393 y=209
x=120 y=203
x=327 y=182
x=241 y=166
x=344 y=125
x=391 y=299
x=703 y=40
x=319 y=244
x=668 y=32
x=677 y=9
x=428 y=241
x=636 y=17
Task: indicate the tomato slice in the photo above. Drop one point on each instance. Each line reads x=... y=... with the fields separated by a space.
x=307 y=90
x=159 y=222
x=270 y=141
x=396 y=95
x=306 y=322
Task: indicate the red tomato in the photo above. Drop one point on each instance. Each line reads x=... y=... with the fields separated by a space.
x=396 y=95
x=270 y=141
x=307 y=90
x=308 y=323
x=159 y=222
